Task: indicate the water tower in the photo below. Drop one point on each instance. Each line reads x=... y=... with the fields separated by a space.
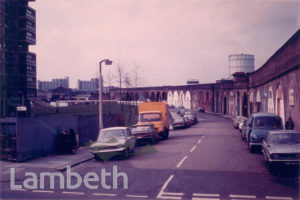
x=241 y=63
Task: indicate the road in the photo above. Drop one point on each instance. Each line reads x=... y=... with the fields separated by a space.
x=206 y=161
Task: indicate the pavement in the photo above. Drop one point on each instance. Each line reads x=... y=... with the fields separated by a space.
x=48 y=163
x=222 y=115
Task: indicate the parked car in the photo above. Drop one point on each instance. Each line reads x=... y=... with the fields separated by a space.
x=202 y=109
x=258 y=126
x=145 y=133
x=190 y=118
x=282 y=147
x=179 y=122
x=113 y=141
x=238 y=122
x=192 y=114
x=180 y=110
x=187 y=121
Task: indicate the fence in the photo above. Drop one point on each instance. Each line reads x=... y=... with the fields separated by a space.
x=35 y=136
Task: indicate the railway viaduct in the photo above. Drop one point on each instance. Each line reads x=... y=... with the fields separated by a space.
x=274 y=88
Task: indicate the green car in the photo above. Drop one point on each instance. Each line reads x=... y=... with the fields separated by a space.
x=113 y=141
x=258 y=127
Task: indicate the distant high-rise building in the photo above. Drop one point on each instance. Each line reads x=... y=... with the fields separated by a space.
x=193 y=82
x=17 y=64
x=55 y=83
x=91 y=85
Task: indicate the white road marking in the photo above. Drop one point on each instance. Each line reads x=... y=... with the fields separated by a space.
x=77 y=193
x=279 y=198
x=205 y=195
x=43 y=191
x=194 y=147
x=237 y=199
x=169 y=197
x=204 y=198
x=199 y=141
x=104 y=194
x=19 y=189
x=166 y=183
x=162 y=193
x=180 y=163
x=136 y=196
x=174 y=193
x=242 y=196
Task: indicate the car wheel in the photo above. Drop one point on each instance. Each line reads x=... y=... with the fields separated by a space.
x=266 y=158
x=97 y=158
x=251 y=149
x=166 y=134
x=157 y=139
x=126 y=153
x=152 y=141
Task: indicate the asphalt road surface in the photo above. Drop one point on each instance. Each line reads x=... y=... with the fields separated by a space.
x=206 y=161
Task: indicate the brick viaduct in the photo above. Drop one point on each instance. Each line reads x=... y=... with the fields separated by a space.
x=274 y=87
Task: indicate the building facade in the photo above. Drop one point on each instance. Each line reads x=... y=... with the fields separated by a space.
x=90 y=86
x=54 y=83
x=17 y=65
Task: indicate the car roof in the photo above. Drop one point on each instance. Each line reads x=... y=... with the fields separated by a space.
x=264 y=114
x=144 y=124
x=283 y=131
x=115 y=128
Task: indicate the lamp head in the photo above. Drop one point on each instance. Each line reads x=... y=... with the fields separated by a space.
x=108 y=62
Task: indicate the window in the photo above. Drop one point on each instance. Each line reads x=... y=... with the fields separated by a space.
x=148 y=117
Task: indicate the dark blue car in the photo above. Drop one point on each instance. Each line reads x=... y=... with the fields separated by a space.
x=258 y=127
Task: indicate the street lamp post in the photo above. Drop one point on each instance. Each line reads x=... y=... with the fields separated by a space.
x=107 y=62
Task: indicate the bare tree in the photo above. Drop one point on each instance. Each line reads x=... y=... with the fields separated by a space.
x=127 y=80
x=109 y=79
x=120 y=78
x=136 y=74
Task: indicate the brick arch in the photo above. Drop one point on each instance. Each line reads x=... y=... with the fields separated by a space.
x=136 y=96
x=158 y=96
x=271 y=100
x=175 y=98
x=164 y=96
x=152 y=97
x=279 y=102
x=170 y=98
x=181 y=98
x=187 y=99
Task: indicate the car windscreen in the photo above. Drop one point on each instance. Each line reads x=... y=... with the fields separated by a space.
x=178 y=119
x=139 y=129
x=267 y=122
x=149 y=117
x=285 y=138
x=106 y=134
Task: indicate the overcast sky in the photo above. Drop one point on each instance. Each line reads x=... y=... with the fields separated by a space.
x=172 y=40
